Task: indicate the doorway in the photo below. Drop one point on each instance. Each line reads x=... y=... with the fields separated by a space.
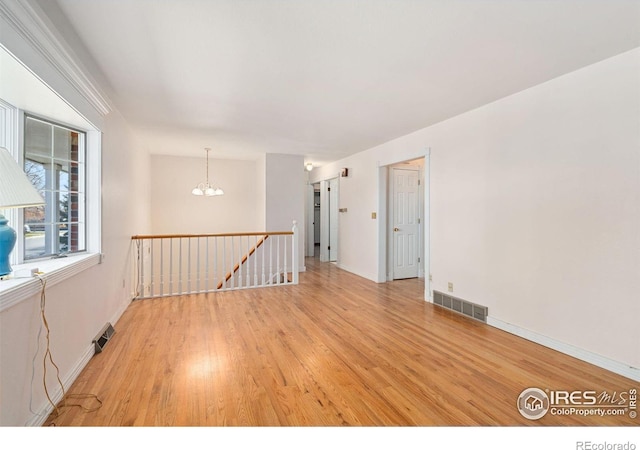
x=404 y=221
x=314 y=218
x=329 y=220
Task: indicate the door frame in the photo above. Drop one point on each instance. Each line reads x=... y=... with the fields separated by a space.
x=329 y=212
x=391 y=254
x=310 y=221
x=383 y=220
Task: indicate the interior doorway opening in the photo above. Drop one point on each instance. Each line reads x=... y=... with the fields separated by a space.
x=406 y=223
x=329 y=191
x=316 y=220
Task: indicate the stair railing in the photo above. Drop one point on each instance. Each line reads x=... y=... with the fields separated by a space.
x=182 y=264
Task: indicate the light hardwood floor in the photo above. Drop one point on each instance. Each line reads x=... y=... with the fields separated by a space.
x=334 y=350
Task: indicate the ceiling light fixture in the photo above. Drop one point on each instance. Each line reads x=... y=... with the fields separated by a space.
x=205 y=188
x=309 y=167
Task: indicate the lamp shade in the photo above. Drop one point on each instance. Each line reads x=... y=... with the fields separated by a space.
x=16 y=191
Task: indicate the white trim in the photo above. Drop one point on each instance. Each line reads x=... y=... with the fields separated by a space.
x=8 y=126
x=93 y=193
x=382 y=217
x=40 y=418
x=426 y=221
x=54 y=271
x=17 y=216
x=384 y=274
x=29 y=25
x=370 y=277
x=309 y=221
x=597 y=360
x=9 y=134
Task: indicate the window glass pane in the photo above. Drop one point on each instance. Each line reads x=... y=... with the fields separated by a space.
x=63 y=207
x=37 y=140
x=69 y=176
x=63 y=177
x=34 y=215
x=35 y=173
x=58 y=174
x=34 y=246
x=62 y=144
x=64 y=237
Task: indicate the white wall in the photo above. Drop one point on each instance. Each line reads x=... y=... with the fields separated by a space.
x=77 y=308
x=285 y=190
x=356 y=227
x=363 y=192
x=535 y=207
x=261 y=194
x=175 y=210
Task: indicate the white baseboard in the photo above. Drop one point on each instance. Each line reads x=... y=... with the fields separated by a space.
x=593 y=358
x=355 y=272
x=38 y=419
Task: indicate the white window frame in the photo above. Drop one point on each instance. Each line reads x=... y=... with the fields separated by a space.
x=82 y=190
x=13 y=289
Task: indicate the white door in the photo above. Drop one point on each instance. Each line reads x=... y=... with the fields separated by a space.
x=405 y=222
x=329 y=220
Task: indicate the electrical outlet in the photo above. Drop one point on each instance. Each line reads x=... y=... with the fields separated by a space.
x=450 y=287
x=430 y=277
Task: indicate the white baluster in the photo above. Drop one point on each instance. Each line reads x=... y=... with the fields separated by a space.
x=294 y=248
x=264 y=247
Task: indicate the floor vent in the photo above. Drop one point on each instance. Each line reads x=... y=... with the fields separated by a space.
x=461 y=306
x=103 y=337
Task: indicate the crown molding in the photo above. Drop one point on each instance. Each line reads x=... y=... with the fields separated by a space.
x=32 y=25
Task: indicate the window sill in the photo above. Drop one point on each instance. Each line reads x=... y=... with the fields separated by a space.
x=53 y=271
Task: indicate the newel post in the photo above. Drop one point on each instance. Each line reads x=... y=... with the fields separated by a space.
x=294 y=258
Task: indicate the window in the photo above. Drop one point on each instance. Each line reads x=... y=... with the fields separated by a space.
x=54 y=161
x=62 y=149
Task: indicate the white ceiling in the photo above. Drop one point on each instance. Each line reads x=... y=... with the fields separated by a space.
x=328 y=78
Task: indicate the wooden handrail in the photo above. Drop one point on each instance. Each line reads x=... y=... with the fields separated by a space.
x=163 y=271
x=244 y=259
x=176 y=236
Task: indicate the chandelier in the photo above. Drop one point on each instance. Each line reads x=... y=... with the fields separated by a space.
x=205 y=188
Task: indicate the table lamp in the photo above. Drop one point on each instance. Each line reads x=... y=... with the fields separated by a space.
x=16 y=191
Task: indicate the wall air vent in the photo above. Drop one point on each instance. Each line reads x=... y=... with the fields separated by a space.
x=103 y=337
x=458 y=305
